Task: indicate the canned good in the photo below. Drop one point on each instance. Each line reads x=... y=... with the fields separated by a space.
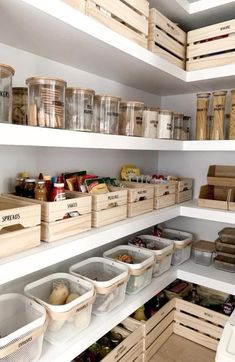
x=79 y=109
x=6 y=73
x=131 y=118
x=19 y=105
x=46 y=99
x=164 y=127
x=108 y=107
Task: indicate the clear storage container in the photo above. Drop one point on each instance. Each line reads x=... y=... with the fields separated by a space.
x=109 y=278
x=68 y=319
x=201 y=118
x=232 y=116
x=164 y=126
x=203 y=252
x=96 y=115
x=185 y=132
x=46 y=101
x=162 y=250
x=19 y=105
x=227 y=235
x=219 y=99
x=226 y=257
x=150 y=121
x=131 y=118
x=6 y=73
x=224 y=247
x=177 y=125
x=222 y=265
x=23 y=323
x=108 y=107
x=182 y=245
x=140 y=270
x=79 y=109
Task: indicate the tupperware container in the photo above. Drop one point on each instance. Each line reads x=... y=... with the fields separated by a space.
x=23 y=323
x=162 y=250
x=182 y=244
x=224 y=247
x=109 y=278
x=203 y=252
x=228 y=258
x=219 y=264
x=227 y=235
x=66 y=320
x=140 y=271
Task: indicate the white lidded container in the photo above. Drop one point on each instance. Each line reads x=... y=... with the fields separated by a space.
x=182 y=244
x=140 y=271
x=66 y=320
x=109 y=278
x=162 y=250
x=22 y=326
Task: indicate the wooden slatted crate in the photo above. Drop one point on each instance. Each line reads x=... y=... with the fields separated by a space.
x=211 y=46
x=19 y=226
x=216 y=197
x=139 y=198
x=164 y=194
x=79 y=5
x=184 y=190
x=128 y=18
x=166 y=39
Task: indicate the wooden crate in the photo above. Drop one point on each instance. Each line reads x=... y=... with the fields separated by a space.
x=183 y=196
x=166 y=39
x=79 y=5
x=216 y=197
x=109 y=208
x=211 y=46
x=221 y=175
x=184 y=190
x=19 y=226
x=128 y=18
x=198 y=324
x=54 y=226
x=164 y=194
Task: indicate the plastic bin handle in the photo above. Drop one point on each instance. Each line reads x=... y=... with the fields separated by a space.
x=142 y=270
x=112 y=287
x=165 y=255
x=61 y=316
x=21 y=342
x=183 y=246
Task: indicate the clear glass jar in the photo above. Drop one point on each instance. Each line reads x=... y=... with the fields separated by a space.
x=108 y=113
x=201 y=118
x=131 y=118
x=46 y=99
x=185 y=132
x=150 y=121
x=19 y=105
x=79 y=109
x=164 y=127
x=232 y=116
x=219 y=100
x=96 y=115
x=6 y=73
x=41 y=191
x=29 y=189
x=177 y=125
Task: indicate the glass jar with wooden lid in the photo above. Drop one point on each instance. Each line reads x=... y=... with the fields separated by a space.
x=177 y=125
x=219 y=100
x=6 y=74
x=108 y=108
x=201 y=117
x=19 y=105
x=150 y=121
x=131 y=118
x=232 y=116
x=46 y=102
x=79 y=108
x=164 y=127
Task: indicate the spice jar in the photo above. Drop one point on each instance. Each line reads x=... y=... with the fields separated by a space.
x=79 y=109
x=201 y=118
x=29 y=188
x=19 y=105
x=232 y=116
x=108 y=113
x=164 y=127
x=19 y=186
x=185 y=132
x=150 y=121
x=6 y=73
x=219 y=99
x=41 y=191
x=46 y=97
x=96 y=115
x=177 y=125
x=131 y=118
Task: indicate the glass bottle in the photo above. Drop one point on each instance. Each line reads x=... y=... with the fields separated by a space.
x=41 y=191
x=29 y=189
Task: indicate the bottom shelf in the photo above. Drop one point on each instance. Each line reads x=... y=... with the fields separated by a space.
x=189 y=271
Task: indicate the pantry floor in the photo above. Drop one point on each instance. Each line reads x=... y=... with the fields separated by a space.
x=179 y=349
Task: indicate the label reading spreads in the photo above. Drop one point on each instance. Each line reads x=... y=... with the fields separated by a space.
x=10 y=217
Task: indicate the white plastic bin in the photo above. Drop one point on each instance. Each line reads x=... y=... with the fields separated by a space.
x=140 y=271
x=69 y=319
x=22 y=325
x=182 y=245
x=162 y=250
x=109 y=278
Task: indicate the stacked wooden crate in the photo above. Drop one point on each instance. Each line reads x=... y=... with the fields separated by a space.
x=164 y=194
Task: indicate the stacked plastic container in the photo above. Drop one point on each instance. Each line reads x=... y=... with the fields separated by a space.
x=225 y=250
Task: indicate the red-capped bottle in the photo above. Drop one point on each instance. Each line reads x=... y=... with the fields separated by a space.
x=58 y=192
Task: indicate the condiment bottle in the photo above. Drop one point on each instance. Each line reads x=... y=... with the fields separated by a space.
x=29 y=188
x=41 y=191
x=19 y=186
x=58 y=193
x=48 y=184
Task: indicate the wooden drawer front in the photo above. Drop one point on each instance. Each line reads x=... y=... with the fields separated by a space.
x=79 y=5
x=149 y=353
x=159 y=316
x=157 y=331
x=109 y=216
x=164 y=201
x=134 y=353
x=140 y=207
x=184 y=196
x=165 y=189
x=109 y=200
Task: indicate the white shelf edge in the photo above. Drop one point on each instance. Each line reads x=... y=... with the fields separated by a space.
x=201 y=5
x=223 y=145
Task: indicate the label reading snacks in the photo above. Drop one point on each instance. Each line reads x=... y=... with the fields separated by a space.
x=10 y=217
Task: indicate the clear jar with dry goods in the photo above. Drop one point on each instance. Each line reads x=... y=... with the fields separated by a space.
x=164 y=127
x=177 y=125
x=219 y=100
x=131 y=118
x=232 y=116
x=108 y=113
x=19 y=105
x=79 y=109
x=46 y=102
x=185 y=132
x=150 y=121
x=96 y=115
x=201 y=117
x=6 y=73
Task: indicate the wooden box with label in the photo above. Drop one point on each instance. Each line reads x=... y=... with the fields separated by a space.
x=19 y=226
x=164 y=194
x=140 y=198
x=184 y=189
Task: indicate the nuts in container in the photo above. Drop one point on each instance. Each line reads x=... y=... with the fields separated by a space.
x=46 y=99
x=19 y=105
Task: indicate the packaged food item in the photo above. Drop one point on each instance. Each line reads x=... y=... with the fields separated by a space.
x=164 y=127
x=128 y=171
x=131 y=118
x=19 y=105
x=201 y=118
x=58 y=192
x=96 y=186
x=219 y=99
x=6 y=73
x=48 y=184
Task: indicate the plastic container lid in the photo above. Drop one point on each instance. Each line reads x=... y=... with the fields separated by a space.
x=46 y=81
x=203 y=245
x=163 y=245
x=227 y=235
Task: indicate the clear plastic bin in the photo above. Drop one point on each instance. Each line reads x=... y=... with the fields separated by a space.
x=140 y=271
x=203 y=252
x=109 y=278
x=23 y=323
x=6 y=73
x=162 y=250
x=182 y=243
x=69 y=319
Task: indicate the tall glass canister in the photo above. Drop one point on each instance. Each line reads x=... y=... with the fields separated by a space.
x=131 y=118
x=6 y=73
x=219 y=100
x=232 y=116
x=109 y=113
x=19 y=105
x=201 y=118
